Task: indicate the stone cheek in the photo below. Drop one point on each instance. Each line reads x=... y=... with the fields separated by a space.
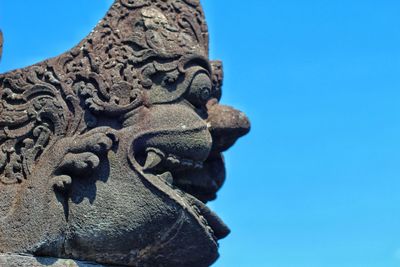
x=109 y=152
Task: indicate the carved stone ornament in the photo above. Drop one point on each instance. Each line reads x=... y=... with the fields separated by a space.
x=109 y=152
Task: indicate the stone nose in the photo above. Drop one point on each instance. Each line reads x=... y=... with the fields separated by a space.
x=226 y=125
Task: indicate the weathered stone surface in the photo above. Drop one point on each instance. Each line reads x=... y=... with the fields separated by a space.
x=15 y=260
x=109 y=152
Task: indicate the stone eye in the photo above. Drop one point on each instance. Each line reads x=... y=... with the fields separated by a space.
x=205 y=94
x=200 y=90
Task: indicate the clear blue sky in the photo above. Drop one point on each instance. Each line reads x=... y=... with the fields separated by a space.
x=317 y=182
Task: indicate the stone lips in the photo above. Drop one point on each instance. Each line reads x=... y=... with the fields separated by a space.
x=109 y=152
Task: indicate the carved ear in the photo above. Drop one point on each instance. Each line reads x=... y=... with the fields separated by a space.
x=1 y=44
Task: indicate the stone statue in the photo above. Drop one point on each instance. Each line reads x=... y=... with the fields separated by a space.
x=109 y=152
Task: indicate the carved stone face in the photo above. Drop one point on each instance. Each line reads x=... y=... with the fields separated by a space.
x=110 y=151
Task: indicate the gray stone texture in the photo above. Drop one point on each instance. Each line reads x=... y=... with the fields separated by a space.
x=18 y=260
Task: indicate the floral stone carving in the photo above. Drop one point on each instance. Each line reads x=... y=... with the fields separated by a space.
x=109 y=152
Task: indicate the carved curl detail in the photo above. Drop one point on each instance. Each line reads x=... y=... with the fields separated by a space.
x=134 y=3
x=32 y=113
